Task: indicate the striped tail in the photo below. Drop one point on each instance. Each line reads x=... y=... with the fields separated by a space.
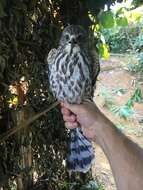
x=81 y=152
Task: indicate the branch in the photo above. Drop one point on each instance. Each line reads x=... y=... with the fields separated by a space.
x=26 y=122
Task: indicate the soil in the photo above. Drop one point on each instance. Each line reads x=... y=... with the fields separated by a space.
x=114 y=76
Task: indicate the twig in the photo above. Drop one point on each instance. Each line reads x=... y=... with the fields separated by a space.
x=26 y=123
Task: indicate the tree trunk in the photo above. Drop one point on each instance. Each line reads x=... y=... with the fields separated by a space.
x=24 y=179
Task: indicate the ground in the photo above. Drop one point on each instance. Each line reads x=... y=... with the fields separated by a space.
x=113 y=77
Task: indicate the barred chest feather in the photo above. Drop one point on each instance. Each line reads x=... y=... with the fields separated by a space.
x=70 y=77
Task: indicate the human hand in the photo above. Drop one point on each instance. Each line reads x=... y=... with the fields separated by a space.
x=86 y=114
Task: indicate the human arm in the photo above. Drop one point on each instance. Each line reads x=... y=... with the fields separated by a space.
x=125 y=157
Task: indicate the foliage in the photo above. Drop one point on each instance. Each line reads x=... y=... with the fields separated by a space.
x=119 y=91
x=92 y=185
x=125 y=111
x=103 y=50
x=121 y=39
x=137 y=3
x=124 y=33
x=137 y=50
x=122 y=111
x=138 y=42
x=118 y=40
x=136 y=97
x=105 y=93
x=140 y=63
x=107 y=20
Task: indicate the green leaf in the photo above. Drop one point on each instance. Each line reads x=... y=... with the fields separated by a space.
x=125 y=112
x=129 y=104
x=103 y=50
x=119 y=91
x=122 y=21
x=121 y=11
x=136 y=16
x=122 y=111
x=102 y=39
x=107 y=20
x=137 y=96
x=91 y=185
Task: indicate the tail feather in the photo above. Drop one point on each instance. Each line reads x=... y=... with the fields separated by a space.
x=81 y=152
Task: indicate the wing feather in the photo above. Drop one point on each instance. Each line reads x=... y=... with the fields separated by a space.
x=95 y=66
x=51 y=56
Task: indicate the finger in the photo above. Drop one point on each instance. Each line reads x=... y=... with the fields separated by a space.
x=71 y=125
x=65 y=111
x=72 y=107
x=62 y=104
x=71 y=118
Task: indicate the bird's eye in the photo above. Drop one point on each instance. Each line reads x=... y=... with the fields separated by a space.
x=67 y=37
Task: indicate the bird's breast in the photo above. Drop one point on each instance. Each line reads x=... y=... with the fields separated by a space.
x=70 y=78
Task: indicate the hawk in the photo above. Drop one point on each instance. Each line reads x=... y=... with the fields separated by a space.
x=72 y=76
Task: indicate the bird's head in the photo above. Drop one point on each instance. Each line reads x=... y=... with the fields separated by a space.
x=74 y=36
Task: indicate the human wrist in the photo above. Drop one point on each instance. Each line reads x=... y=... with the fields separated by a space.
x=91 y=126
x=102 y=126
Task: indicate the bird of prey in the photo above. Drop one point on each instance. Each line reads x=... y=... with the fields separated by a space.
x=72 y=76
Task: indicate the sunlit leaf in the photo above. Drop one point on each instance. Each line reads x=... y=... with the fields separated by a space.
x=92 y=17
x=102 y=39
x=122 y=21
x=121 y=11
x=103 y=50
x=95 y=28
x=13 y=101
x=136 y=16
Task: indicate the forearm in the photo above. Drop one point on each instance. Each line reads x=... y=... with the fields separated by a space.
x=125 y=157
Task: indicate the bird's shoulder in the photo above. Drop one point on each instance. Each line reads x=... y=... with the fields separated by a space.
x=51 y=55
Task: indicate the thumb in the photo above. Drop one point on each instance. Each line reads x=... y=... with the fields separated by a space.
x=72 y=107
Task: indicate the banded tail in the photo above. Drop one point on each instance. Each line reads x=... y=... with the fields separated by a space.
x=81 y=152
